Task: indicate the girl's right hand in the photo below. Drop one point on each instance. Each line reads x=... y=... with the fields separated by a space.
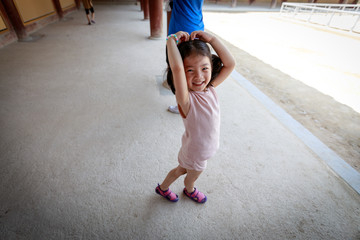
x=182 y=36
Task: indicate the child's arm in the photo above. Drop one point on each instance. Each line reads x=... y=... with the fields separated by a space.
x=177 y=68
x=222 y=51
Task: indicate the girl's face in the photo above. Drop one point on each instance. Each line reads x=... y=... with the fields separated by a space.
x=197 y=71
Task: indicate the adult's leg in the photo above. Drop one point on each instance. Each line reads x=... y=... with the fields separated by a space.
x=171 y=177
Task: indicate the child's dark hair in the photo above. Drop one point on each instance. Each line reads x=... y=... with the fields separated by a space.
x=199 y=48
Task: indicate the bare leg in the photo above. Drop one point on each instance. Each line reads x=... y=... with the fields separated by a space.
x=88 y=18
x=171 y=177
x=190 y=179
x=93 y=16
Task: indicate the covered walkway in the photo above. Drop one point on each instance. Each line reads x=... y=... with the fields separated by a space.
x=85 y=138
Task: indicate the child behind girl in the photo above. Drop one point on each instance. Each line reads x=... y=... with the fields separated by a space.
x=89 y=8
x=193 y=74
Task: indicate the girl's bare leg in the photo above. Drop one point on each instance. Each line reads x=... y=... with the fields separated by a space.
x=190 y=179
x=171 y=177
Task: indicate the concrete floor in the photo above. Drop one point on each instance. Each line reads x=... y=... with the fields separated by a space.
x=85 y=138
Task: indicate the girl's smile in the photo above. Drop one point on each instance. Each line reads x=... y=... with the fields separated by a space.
x=197 y=71
x=198 y=84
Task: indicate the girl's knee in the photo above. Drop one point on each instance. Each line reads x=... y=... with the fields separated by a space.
x=180 y=170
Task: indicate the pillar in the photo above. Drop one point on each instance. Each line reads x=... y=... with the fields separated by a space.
x=141 y=5
x=233 y=3
x=58 y=8
x=168 y=17
x=156 y=23
x=6 y=18
x=77 y=3
x=15 y=19
x=146 y=8
x=9 y=36
x=273 y=4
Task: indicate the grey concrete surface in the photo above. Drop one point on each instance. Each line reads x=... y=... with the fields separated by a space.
x=85 y=138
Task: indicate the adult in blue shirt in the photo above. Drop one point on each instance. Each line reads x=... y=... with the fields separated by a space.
x=186 y=15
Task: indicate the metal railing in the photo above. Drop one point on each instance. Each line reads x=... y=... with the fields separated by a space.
x=341 y=16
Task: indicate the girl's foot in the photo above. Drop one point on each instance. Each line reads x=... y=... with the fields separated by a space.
x=196 y=195
x=168 y=194
x=92 y=21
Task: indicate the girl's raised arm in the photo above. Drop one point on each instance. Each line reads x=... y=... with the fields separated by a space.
x=177 y=68
x=222 y=51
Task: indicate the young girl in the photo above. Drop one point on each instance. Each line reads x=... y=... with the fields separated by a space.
x=194 y=73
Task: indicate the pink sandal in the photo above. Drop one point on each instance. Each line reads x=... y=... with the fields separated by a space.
x=196 y=195
x=168 y=194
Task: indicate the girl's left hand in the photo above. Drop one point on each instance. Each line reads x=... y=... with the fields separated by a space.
x=183 y=36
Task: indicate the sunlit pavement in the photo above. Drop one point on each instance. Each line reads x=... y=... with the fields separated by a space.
x=323 y=58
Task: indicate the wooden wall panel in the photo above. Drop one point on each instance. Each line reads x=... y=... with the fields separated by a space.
x=2 y=24
x=33 y=9
x=67 y=3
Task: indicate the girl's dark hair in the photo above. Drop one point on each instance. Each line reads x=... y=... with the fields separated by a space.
x=199 y=48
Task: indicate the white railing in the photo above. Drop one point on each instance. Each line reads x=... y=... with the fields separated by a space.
x=341 y=16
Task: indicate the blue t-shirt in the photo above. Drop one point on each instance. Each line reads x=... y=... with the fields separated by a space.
x=186 y=16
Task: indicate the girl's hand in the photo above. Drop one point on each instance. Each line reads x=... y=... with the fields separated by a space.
x=182 y=36
x=203 y=36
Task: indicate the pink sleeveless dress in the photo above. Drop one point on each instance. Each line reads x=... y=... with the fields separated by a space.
x=202 y=130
